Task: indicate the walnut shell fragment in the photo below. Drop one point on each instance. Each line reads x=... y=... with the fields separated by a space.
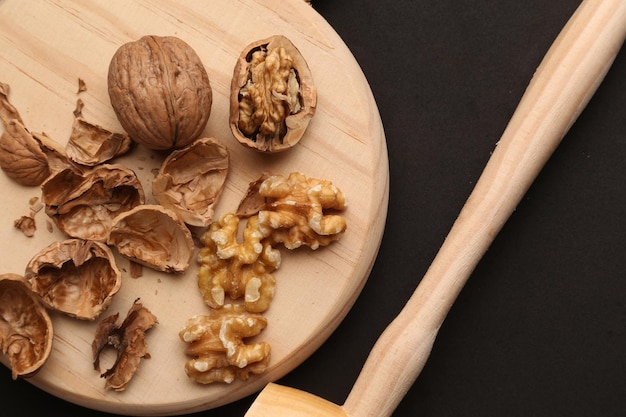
x=21 y=158
x=75 y=276
x=216 y=344
x=7 y=110
x=154 y=236
x=272 y=95
x=27 y=158
x=26 y=224
x=191 y=180
x=26 y=331
x=128 y=338
x=160 y=91
x=90 y=144
x=83 y=204
x=55 y=154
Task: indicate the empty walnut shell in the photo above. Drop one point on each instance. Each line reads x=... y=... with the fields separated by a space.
x=75 y=276
x=272 y=95
x=83 y=203
x=25 y=327
x=154 y=236
x=90 y=144
x=191 y=180
x=160 y=91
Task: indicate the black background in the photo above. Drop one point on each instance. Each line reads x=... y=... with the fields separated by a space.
x=540 y=328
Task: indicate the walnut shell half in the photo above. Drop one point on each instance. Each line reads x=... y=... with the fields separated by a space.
x=21 y=158
x=191 y=180
x=25 y=327
x=272 y=95
x=154 y=236
x=83 y=203
x=75 y=276
x=160 y=91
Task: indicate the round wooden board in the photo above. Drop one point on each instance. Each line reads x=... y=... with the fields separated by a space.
x=48 y=45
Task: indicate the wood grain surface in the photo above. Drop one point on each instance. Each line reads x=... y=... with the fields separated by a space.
x=47 y=46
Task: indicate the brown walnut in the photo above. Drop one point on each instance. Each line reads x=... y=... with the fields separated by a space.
x=160 y=91
x=272 y=96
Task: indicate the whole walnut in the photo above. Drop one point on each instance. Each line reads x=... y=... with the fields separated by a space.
x=160 y=92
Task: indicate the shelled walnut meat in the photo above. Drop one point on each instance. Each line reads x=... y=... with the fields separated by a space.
x=233 y=269
x=272 y=96
x=26 y=331
x=217 y=347
x=190 y=180
x=160 y=91
x=75 y=277
x=296 y=210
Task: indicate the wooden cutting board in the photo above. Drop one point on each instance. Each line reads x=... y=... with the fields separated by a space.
x=48 y=45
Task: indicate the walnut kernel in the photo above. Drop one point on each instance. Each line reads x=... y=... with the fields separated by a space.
x=293 y=210
x=237 y=269
x=215 y=341
x=272 y=95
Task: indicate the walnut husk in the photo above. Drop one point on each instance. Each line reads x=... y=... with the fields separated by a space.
x=21 y=158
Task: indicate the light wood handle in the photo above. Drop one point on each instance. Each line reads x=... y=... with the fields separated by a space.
x=561 y=87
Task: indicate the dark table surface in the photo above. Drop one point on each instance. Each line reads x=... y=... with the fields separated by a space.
x=540 y=328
